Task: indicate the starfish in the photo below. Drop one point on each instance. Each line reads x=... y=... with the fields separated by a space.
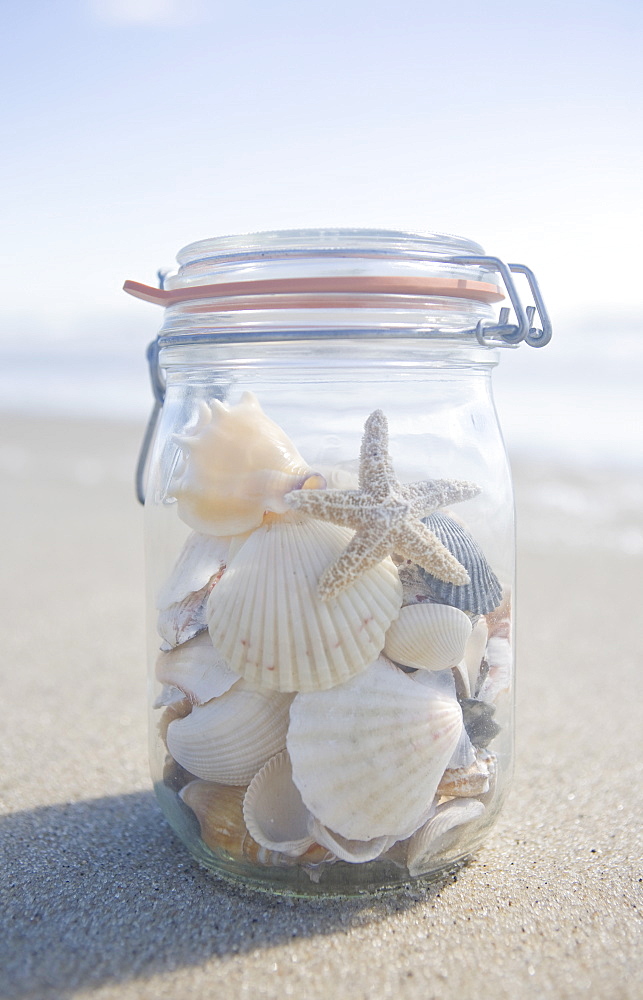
x=385 y=515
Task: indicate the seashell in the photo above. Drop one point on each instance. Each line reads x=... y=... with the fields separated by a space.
x=230 y=738
x=478 y=721
x=175 y=776
x=239 y=464
x=428 y=636
x=465 y=782
x=176 y=710
x=196 y=670
x=497 y=679
x=484 y=592
x=499 y=620
x=461 y=678
x=367 y=755
x=201 y=558
x=464 y=753
x=273 y=810
x=430 y=839
x=268 y=621
x=353 y=851
x=219 y=810
x=182 y=599
x=475 y=650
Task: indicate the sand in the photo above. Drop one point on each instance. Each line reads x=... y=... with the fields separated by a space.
x=99 y=899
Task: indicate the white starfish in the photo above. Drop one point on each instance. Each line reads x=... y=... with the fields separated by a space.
x=385 y=515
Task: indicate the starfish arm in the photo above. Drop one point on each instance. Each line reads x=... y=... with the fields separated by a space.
x=426 y=497
x=376 y=476
x=421 y=546
x=365 y=550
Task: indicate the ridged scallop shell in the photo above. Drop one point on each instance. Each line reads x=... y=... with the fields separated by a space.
x=196 y=669
x=354 y=851
x=367 y=756
x=239 y=464
x=267 y=620
x=484 y=592
x=273 y=809
x=175 y=710
x=428 y=636
x=429 y=840
x=219 y=810
x=230 y=738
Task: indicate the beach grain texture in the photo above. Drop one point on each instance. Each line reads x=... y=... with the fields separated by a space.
x=99 y=900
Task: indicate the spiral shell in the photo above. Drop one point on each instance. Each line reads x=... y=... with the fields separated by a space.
x=238 y=465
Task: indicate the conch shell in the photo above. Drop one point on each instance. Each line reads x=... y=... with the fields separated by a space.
x=239 y=464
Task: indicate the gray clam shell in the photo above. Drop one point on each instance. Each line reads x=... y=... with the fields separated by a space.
x=484 y=593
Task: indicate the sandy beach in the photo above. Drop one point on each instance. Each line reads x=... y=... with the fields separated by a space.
x=99 y=899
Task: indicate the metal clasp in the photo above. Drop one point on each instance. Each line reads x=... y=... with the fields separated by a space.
x=158 y=389
x=503 y=333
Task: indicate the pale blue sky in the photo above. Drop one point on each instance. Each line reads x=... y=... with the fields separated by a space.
x=133 y=128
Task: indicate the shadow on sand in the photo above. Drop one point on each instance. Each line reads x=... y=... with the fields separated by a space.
x=100 y=891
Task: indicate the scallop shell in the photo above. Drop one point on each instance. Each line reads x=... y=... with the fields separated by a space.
x=267 y=620
x=219 y=810
x=484 y=592
x=429 y=840
x=354 y=851
x=273 y=810
x=367 y=756
x=175 y=710
x=428 y=636
x=196 y=669
x=239 y=464
x=230 y=738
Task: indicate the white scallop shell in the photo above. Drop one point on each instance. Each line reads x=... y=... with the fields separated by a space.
x=273 y=810
x=367 y=756
x=239 y=464
x=196 y=669
x=475 y=650
x=428 y=636
x=429 y=840
x=230 y=738
x=267 y=620
x=354 y=851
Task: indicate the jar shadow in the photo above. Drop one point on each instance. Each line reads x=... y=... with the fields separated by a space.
x=100 y=891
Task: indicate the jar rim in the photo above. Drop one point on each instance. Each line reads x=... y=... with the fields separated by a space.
x=328 y=240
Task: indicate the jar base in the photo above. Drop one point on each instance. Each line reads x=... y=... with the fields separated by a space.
x=330 y=880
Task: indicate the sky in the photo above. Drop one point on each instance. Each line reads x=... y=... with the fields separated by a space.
x=134 y=127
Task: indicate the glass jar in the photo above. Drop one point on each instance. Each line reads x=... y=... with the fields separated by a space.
x=330 y=548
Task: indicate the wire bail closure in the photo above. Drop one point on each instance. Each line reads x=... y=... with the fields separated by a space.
x=488 y=334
